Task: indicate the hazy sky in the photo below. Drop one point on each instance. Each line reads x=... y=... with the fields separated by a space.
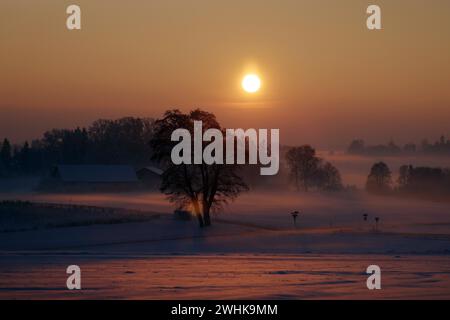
x=326 y=78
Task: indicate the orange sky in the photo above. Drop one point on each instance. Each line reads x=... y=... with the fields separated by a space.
x=326 y=78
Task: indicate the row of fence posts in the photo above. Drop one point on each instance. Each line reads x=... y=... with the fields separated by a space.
x=296 y=213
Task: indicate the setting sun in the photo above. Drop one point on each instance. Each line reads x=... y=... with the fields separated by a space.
x=251 y=83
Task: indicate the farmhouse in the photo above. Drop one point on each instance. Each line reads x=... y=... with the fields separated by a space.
x=92 y=178
x=150 y=176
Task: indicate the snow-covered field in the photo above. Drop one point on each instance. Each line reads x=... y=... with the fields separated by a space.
x=253 y=250
x=248 y=276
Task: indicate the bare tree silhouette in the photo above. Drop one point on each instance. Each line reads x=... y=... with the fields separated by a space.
x=200 y=187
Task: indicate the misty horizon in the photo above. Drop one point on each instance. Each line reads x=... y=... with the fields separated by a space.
x=19 y=137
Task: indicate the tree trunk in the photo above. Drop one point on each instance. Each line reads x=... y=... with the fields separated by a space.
x=200 y=220
x=206 y=216
x=198 y=214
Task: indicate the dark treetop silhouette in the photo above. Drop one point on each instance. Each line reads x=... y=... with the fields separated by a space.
x=121 y=141
x=379 y=179
x=308 y=170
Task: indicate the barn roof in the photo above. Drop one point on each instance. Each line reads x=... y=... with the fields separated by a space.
x=96 y=173
x=152 y=169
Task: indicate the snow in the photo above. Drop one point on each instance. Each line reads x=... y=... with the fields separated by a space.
x=252 y=251
x=225 y=277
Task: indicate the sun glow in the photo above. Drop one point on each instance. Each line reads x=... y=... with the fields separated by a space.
x=251 y=83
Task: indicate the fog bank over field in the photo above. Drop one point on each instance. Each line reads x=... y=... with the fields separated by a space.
x=271 y=210
x=354 y=169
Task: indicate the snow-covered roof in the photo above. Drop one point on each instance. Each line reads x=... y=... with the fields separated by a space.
x=155 y=170
x=97 y=173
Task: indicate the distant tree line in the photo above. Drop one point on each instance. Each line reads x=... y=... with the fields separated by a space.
x=122 y=141
x=199 y=188
x=425 y=182
x=307 y=171
x=439 y=147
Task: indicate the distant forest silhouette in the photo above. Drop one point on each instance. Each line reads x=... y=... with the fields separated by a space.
x=129 y=141
x=422 y=182
x=439 y=147
x=122 y=141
